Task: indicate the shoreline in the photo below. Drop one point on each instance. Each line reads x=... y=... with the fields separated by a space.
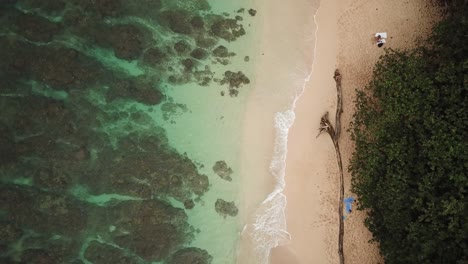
x=281 y=73
x=311 y=212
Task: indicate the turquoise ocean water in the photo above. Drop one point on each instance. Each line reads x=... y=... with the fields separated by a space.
x=120 y=129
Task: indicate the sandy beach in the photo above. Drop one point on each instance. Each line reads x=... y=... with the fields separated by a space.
x=344 y=41
x=283 y=64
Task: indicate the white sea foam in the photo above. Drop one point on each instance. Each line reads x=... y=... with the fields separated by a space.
x=270 y=229
x=270 y=224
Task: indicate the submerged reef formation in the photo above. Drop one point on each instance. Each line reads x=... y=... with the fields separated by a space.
x=225 y=208
x=190 y=255
x=97 y=252
x=86 y=174
x=235 y=81
x=252 y=12
x=223 y=170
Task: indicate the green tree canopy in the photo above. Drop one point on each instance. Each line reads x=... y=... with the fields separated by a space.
x=411 y=160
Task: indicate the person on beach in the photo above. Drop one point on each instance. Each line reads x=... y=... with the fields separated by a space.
x=380 y=43
x=380 y=39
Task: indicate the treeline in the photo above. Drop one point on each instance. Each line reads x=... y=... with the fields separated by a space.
x=411 y=135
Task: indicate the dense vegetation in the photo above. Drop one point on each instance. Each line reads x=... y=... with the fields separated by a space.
x=411 y=160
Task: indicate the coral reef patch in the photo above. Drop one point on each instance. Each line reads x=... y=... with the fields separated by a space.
x=223 y=170
x=225 y=208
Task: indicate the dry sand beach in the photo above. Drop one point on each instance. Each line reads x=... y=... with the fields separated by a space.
x=344 y=41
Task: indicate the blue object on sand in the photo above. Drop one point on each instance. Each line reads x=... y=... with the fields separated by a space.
x=348 y=203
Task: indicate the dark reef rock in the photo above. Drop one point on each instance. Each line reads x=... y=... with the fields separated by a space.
x=222 y=52
x=137 y=90
x=39 y=123
x=177 y=20
x=57 y=245
x=144 y=8
x=148 y=167
x=191 y=255
x=179 y=79
x=39 y=256
x=61 y=68
x=47 y=248
x=233 y=92
x=226 y=208
x=223 y=170
x=227 y=29
x=203 y=42
x=8 y=2
x=51 y=7
x=152 y=229
x=235 y=81
x=246 y=58
x=47 y=129
x=189 y=64
x=41 y=211
x=181 y=47
x=153 y=56
x=97 y=9
x=9 y=233
x=252 y=12
x=199 y=54
x=8 y=152
x=99 y=253
x=203 y=77
x=127 y=41
x=171 y=108
x=189 y=204
x=74 y=22
x=108 y=7
x=197 y=23
x=140 y=118
x=35 y=28
x=192 y=6
x=199 y=184
x=52 y=179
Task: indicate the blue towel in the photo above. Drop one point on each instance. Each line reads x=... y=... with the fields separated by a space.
x=348 y=203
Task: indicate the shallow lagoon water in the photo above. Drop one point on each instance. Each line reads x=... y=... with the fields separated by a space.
x=110 y=130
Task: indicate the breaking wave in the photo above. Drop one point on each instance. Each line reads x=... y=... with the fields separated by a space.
x=270 y=229
x=270 y=224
